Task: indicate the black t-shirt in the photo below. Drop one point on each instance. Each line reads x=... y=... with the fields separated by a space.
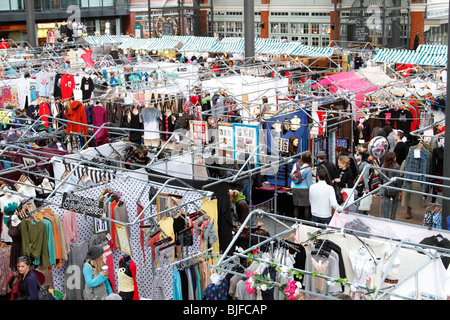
x=401 y=151
x=404 y=118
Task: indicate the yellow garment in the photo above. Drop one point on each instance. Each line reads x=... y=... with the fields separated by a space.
x=210 y=207
x=126 y=283
x=166 y=225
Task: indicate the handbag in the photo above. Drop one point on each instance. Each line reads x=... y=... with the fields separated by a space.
x=338 y=193
x=43 y=293
x=365 y=203
x=337 y=190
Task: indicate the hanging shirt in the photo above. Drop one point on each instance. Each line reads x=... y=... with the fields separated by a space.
x=67 y=86
x=41 y=83
x=150 y=118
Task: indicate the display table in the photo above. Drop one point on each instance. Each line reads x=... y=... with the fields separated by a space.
x=263 y=194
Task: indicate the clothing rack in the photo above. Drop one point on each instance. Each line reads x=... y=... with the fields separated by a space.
x=329 y=229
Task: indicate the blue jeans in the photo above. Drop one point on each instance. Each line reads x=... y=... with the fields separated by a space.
x=320 y=220
x=387 y=206
x=246 y=188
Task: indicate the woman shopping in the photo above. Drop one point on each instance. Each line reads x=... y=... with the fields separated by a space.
x=301 y=176
x=25 y=279
x=389 y=194
x=346 y=177
x=95 y=274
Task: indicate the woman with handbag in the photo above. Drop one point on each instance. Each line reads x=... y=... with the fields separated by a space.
x=366 y=175
x=346 y=177
x=389 y=194
x=26 y=280
x=97 y=286
x=301 y=176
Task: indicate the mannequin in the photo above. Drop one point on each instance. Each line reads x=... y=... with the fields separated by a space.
x=126 y=274
x=277 y=127
x=363 y=266
x=295 y=123
x=167 y=124
x=393 y=275
x=151 y=118
x=8 y=205
x=135 y=122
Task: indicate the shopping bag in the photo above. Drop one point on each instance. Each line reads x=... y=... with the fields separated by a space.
x=365 y=203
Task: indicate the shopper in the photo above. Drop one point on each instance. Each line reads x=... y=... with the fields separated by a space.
x=302 y=180
x=97 y=286
x=365 y=175
x=390 y=194
x=293 y=146
x=26 y=279
x=346 y=177
x=322 y=198
x=330 y=167
x=401 y=148
x=241 y=206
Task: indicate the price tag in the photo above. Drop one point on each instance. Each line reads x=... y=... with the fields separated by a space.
x=417 y=154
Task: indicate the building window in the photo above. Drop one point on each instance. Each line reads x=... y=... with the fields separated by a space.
x=315 y=28
x=279 y=28
x=279 y=13
x=315 y=41
x=299 y=28
x=304 y=40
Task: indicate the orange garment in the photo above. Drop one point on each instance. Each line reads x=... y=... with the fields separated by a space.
x=58 y=251
x=77 y=113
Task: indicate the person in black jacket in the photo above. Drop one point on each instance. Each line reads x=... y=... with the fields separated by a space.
x=401 y=149
x=346 y=178
x=332 y=172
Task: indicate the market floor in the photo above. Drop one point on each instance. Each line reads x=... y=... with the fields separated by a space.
x=418 y=213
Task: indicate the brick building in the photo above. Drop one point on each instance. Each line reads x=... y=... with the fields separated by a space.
x=388 y=23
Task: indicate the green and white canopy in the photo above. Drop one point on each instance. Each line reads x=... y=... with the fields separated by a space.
x=106 y=39
x=424 y=55
x=157 y=44
x=198 y=44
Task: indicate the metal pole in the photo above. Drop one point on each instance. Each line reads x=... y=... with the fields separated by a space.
x=149 y=19
x=31 y=23
x=249 y=28
x=446 y=171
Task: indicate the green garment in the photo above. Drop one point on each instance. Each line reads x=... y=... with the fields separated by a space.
x=34 y=242
x=50 y=241
x=239 y=197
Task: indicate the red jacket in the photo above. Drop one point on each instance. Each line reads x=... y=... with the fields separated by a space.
x=77 y=113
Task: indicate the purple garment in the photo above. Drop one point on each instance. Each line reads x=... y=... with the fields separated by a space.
x=100 y=117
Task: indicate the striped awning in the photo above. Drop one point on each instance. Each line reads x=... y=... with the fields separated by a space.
x=272 y=46
x=310 y=51
x=106 y=39
x=424 y=55
x=199 y=44
x=230 y=45
x=158 y=44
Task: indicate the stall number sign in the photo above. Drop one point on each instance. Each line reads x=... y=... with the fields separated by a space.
x=82 y=205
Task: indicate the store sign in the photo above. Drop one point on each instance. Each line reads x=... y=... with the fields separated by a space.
x=137 y=31
x=361 y=34
x=82 y=205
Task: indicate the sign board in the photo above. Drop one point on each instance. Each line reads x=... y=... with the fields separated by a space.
x=362 y=34
x=82 y=205
x=137 y=31
x=167 y=29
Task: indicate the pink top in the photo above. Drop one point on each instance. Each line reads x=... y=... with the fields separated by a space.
x=70 y=228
